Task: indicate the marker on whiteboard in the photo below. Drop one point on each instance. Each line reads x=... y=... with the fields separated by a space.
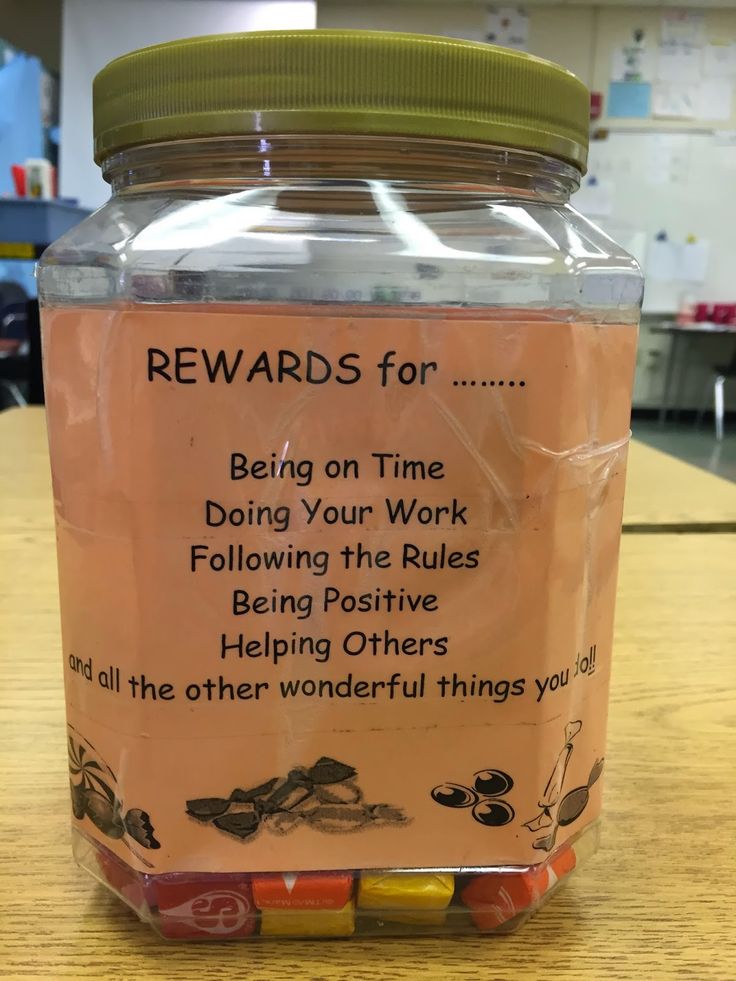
x=661 y=236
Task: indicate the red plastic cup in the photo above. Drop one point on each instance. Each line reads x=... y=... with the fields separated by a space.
x=19 y=179
x=724 y=313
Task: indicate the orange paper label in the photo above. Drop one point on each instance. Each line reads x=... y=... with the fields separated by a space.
x=337 y=591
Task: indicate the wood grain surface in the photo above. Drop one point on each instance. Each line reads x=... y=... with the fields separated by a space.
x=665 y=494
x=657 y=902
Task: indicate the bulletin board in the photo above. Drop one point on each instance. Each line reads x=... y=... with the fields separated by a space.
x=682 y=184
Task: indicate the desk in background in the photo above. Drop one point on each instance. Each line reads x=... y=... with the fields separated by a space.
x=677 y=361
x=656 y=902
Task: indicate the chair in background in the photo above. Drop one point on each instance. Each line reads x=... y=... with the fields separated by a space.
x=14 y=342
x=720 y=375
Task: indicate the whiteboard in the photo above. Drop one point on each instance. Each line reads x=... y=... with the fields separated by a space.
x=682 y=183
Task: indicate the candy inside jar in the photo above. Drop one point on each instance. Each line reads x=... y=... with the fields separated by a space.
x=334 y=904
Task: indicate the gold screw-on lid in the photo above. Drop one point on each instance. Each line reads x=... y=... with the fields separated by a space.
x=340 y=82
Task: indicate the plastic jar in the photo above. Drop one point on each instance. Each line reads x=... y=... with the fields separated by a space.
x=338 y=390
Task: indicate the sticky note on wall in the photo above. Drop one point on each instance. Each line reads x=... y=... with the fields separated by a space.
x=630 y=100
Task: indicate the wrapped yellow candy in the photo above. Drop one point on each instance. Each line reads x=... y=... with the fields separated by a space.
x=415 y=917
x=308 y=922
x=405 y=891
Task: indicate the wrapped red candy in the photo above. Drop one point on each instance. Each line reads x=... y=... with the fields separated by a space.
x=497 y=897
x=205 y=906
x=305 y=890
x=126 y=882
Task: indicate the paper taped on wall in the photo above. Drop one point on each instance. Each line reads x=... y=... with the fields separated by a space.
x=694 y=261
x=662 y=261
x=674 y=100
x=678 y=261
x=683 y=27
x=679 y=63
x=719 y=60
x=713 y=98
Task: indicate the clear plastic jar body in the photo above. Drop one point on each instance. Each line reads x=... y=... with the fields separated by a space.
x=431 y=248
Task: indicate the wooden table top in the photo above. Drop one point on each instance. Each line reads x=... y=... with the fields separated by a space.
x=665 y=494
x=657 y=902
